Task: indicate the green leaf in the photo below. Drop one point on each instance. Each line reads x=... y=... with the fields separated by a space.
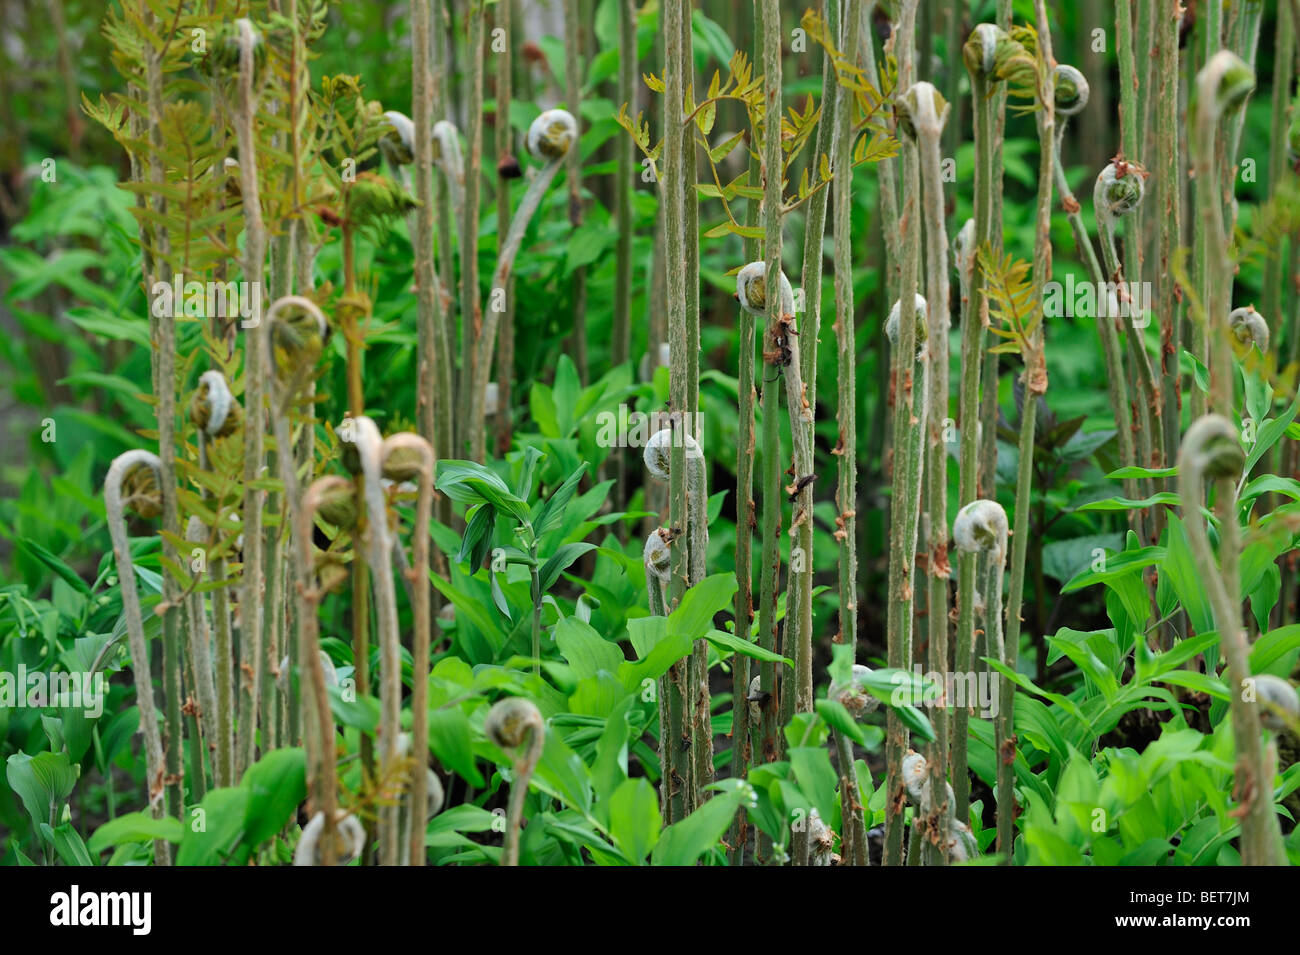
x=449 y=739
x=1269 y=433
x=588 y=653
x=68 y=844
x=135 y=827
x=729 y=641
x=816 y=778
x=562 y=773
x=693 y=617
x=55 y=564
x=712 y=37
x=276 y=784
x=559 y=562
x=468 y=483
x=585 y=245
x=841 y=720
x=43 y=782
x=478 y=536
x=684 y=842
x=1125 y=504
x=634 y=821
x=552 y=511
x=1282 y=644
x=217 y=840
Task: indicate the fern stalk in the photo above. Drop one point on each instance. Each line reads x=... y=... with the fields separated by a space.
x=846 y=488
x=1035 y=386
x=255 y=364
x=910 y=403
x=928 y=114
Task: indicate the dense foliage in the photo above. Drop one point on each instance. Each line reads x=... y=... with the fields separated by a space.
x=617 y=432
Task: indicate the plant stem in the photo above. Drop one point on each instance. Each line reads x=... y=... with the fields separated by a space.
x=846 y=487
x=318 y=735
x=379 y=558
x=1035 y=387
x=1212 y=445
x=974 y=319
x=1170 y=217
x=988 y=455
x=255 y=365
x=504 y=137
x=435 y=364
x=501 y=279
x=681 y=785
x=153 y=750
x=1116 y=380
x=815 y=221
x=422 y=622
x=741 y=746
x=910 y=411
x=929 y=122
x=573 y=174
x=769 y=27
x=699 y=717
x=474 y=335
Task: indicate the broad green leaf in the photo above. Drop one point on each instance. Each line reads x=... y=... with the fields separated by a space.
x=43 y=782
x=134 y=827
x=276 y=784
x=634 y=821
x=449 y=739
x=214 y=830
x=684 y=842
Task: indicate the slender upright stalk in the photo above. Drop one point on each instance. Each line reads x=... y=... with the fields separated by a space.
x=504 y=147
x=910 y=410
x=846 y=450
x=815 y=222
x=122 y=467
x=886 y=170
x=255 y=364
x=573 y=174
x=1222 y=86
x=552 y=136
x=988 y=454
x=772 y=169
x=741 y=745
x=419 y=577
x=516 y=726
x=1211 y=448
x=1118 y=194
x=700 y=704
x=318 y=724
x=433 y=363
x=472 y=331
x=223 y=769
x=1116 y=380
x=620 y=341
x=980 y=532
x=926 y=113
x=1170 y=216
x=674 y=201
x=198 y=648
x=379 y=558
x=1035 y=387
x=979 y=54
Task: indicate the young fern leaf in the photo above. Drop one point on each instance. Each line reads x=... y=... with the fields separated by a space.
x=1012 y=302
